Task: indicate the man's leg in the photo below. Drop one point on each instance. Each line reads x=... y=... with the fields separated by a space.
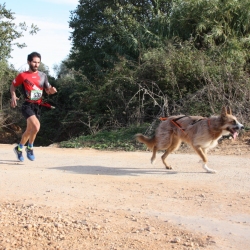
x=33 y=126
x=32 y=114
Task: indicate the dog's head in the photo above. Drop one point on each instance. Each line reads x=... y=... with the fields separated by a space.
x=230 y=124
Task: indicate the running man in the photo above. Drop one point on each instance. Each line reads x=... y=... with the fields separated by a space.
x=33 y=83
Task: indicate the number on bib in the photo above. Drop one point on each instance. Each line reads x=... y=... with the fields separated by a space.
x=36 y=94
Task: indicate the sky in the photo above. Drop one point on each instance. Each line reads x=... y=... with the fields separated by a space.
x=52 y=41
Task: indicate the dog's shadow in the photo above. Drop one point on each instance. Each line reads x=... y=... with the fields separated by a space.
x=102 y=170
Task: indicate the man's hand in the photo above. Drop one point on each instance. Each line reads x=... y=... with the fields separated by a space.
x=51 y=90
x=13 y=101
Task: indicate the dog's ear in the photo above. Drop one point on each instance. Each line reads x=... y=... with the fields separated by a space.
x=229 y=111
x=224 y=111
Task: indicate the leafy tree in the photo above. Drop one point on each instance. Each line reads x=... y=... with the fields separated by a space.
x=9 y=32
x=133 y=61
x=62 y=70
x=7 y=74
x=159 y=52
x=105 y=30
x=210 y=22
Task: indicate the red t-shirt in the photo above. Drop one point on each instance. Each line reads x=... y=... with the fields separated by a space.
x=33 y=85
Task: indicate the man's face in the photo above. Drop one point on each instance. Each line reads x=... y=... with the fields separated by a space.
x=34 y=64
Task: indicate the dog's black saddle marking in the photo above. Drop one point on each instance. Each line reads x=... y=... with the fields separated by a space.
x=176 y=123
x=197 y=121
x=194 y=122
x=176 y=119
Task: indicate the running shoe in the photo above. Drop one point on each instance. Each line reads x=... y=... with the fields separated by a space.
x=30 y=154
x=19 y=154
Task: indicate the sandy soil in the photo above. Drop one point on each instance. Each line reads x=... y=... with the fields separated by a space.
x=88 y=199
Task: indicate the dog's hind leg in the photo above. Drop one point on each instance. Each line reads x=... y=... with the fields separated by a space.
x=174 y=145
x=163 y=157
x=203 y=156
x=153 y=155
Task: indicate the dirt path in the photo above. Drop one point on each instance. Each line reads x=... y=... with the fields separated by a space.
x=87 y=199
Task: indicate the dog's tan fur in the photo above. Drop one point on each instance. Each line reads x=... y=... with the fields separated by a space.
x=201 y=133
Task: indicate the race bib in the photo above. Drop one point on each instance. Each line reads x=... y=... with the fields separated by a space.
x=36 y=94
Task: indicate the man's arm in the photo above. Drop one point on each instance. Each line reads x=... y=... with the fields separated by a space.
x=51 y=90
x=13 y=102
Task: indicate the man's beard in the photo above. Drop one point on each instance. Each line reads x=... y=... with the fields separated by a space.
x=34 y=69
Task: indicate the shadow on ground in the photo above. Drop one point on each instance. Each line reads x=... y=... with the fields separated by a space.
x=102 y=170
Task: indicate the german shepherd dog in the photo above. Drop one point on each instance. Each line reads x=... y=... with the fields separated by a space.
x=199 y=132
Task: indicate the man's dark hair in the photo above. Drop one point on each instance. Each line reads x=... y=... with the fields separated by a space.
x=32 y=55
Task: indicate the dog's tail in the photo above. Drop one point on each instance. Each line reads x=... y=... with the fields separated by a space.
x=150 y=142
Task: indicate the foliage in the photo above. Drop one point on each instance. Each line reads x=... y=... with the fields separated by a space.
x=188 y=79
x=9 y=32
x=112 y=29
x=132 y=62
x=122 y=139
x=210 y=22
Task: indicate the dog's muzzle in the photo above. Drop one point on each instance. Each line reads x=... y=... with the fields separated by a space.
x=240 y=126
x=234 y=130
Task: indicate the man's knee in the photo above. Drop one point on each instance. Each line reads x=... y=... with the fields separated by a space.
x=32 y=129
x=36 y=128
x=33 y=125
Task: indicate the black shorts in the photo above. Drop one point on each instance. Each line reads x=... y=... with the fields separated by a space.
x=29 y=109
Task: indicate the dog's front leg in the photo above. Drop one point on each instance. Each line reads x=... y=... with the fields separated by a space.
x=203 y=156
x=209 y=170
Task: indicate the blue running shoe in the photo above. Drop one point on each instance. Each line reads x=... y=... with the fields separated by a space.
x=30 y=154
x=19 y=154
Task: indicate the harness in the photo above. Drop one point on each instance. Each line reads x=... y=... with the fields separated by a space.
x=174 y=121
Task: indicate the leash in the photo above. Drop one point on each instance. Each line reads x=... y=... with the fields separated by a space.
x=47 y=105
x=42 y=103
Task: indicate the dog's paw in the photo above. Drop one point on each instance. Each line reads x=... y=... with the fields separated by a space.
x=209 y=170
x=168 y=167
x=152 y=161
